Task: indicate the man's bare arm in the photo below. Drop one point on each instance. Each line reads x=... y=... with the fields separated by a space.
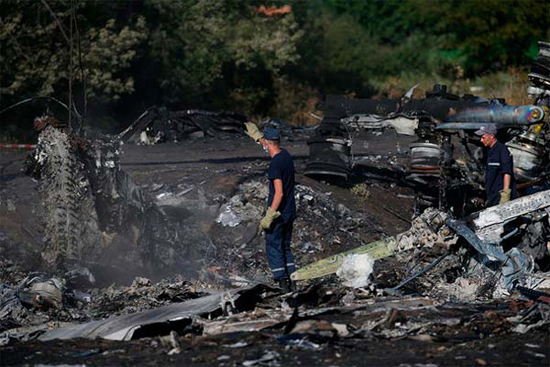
x=278 y=196
x=507 y=180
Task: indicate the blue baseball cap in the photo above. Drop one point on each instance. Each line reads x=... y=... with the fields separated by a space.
x=486 y=129
x=271 y=134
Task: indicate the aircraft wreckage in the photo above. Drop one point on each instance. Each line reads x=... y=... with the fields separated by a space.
x=95 y=216
x=447 y=160
x=513 y=238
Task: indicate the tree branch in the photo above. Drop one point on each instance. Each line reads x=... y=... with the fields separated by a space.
x=57 y=21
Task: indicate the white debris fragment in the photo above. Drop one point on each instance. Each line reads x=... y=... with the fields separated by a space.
x=228 y=217
x=11 y=206
x=534 y=282
x=144 y=139
x=342 y=329
x=462 y=288
x=537 y=355
x=186 y=191
x=404 y=125
x=268 y=358
x=355 y=270
x=238 y=345
x=51 y=291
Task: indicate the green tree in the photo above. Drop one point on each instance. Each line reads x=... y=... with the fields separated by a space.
x=210 y=46
x=35 y=55
x=492 y=34
x=430 y=35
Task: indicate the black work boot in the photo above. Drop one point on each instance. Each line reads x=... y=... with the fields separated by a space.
x=285 y=285
x=292 y=285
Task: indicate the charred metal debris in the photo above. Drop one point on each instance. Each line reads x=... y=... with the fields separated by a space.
x=460 y=275
x=95 y=214
x=158 y=124
x=446 y=171
x=172 y=318
x=446 y=161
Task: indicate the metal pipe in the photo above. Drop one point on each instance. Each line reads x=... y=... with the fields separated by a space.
x=476 y=125
x=506 y=116
x=509 y=235
x=416 y=275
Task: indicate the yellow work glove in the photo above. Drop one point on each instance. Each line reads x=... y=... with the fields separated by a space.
x=504 y=196
x=270 y=216
x=252 y=131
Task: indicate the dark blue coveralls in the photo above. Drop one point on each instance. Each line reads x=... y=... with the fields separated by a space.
x=499 y=162
x=278 y=237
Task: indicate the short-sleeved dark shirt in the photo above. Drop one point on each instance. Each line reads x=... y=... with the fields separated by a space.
x=499 y=163
x=282 y=168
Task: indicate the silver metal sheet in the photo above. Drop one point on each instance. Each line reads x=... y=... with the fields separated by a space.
x=123 y=327
x=512 y=209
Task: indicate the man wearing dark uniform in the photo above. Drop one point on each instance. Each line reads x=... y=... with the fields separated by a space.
x=281 y=206
x=500 y=183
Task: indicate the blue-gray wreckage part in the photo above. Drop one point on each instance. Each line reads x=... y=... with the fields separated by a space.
x=512 y=115
x=513 y=263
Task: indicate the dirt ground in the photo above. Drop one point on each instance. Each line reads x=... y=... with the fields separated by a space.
x=218 y=166
x=224 y=351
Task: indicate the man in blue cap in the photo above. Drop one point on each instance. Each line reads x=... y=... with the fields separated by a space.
x=281 y=206
x=500 y=184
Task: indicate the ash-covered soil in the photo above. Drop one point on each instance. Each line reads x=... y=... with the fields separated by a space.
x=216 y=188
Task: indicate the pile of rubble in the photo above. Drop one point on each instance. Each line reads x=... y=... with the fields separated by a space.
x=32 y=303
x=440 y=302
x=169 y=315
x=325 y=227
x=94 y=213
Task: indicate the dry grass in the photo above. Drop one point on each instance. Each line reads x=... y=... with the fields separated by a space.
x=510 y=84
x=361 y=191
x=295 y=103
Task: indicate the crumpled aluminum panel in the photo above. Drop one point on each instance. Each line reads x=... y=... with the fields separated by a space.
x=124 y=327
x=512 y=209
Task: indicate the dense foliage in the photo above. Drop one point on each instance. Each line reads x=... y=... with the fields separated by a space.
x=255 y=57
